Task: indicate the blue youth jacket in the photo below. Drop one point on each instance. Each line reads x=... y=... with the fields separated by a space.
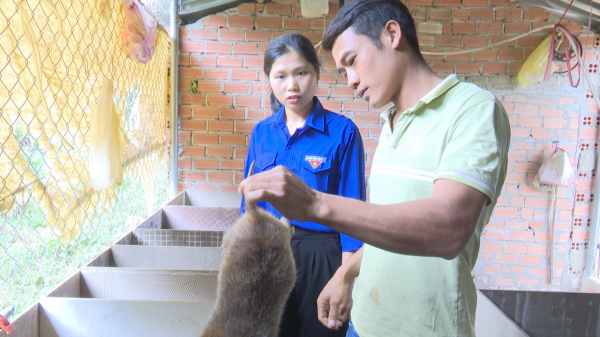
x=326 y=153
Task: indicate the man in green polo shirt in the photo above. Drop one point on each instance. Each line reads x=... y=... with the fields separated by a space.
x=436 y=176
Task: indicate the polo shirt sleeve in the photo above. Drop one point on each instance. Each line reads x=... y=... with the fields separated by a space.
x=477 y=148
x=352 y=179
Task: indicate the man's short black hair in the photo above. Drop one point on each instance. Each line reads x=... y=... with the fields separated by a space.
x=368 y=17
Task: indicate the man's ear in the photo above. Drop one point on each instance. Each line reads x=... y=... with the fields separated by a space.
x=392 y=33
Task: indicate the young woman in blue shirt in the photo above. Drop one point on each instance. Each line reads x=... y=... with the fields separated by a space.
x=325 y=150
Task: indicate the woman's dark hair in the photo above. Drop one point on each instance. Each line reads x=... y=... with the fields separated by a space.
x=369 y=17
x=283 y=45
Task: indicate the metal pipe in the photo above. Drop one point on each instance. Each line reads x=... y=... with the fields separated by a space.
x=7 y=312
x=174 y=99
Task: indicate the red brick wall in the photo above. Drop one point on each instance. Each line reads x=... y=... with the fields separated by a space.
x=515 y=250
x=224 y=53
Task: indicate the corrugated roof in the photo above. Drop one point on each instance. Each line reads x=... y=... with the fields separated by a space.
x=578 y=13
x=192 y=10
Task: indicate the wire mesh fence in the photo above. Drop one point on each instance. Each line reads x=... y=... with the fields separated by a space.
x=54 y=57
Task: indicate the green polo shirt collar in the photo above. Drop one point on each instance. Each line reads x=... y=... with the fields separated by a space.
x=436 y=92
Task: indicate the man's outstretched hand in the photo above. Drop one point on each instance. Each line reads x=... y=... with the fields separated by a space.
x=284 y=191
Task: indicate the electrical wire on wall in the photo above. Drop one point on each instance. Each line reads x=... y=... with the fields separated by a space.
x=320 y=44
x=562 y=57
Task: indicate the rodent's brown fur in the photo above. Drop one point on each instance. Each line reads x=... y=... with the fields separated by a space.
x=257 y=274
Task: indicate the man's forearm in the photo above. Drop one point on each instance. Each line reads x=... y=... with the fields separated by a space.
x=346 y=256
x=441 y=225
x=427 y=227
x=351 y=267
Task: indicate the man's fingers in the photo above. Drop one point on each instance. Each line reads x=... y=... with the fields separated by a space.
x=252 y=180
x=327 y=313
x=323 y=311
x=263 y=191
x=282 y=189
x=255 y=196
x=242 y=186
x=274 y=179
x=343 y=313
x=333 y=315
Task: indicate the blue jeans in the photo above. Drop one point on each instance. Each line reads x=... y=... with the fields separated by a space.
x=351 y=332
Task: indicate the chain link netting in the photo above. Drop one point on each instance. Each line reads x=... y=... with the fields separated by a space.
x=54 y=56
x=162 y=12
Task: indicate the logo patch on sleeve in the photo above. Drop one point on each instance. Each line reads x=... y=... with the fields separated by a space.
x=315 y=161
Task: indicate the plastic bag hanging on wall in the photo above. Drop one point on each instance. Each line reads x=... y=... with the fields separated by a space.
x=314 y=8
x=139 y=30
x=556 y=169
x=535 y=66
x=106 y=141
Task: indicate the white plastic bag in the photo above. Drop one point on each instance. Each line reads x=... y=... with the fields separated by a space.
x=556 y=169
x=106 y=141
x=139 y=30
